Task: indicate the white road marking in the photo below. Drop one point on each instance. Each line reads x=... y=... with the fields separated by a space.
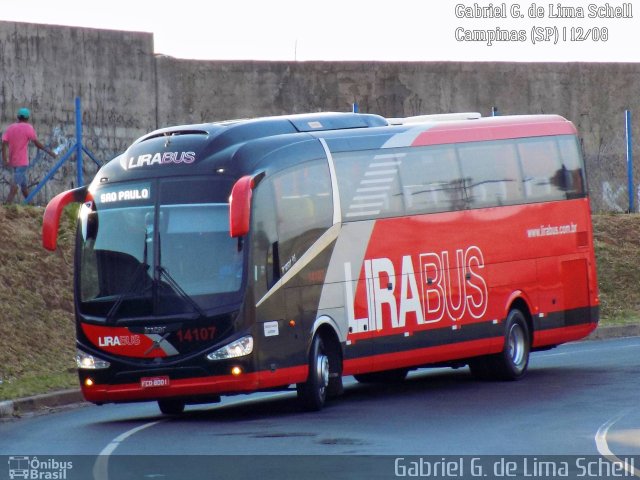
x=603 y=446
x=101 y=467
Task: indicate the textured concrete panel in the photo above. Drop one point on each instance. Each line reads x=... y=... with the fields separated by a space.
x=126 y=91
x=46 y=67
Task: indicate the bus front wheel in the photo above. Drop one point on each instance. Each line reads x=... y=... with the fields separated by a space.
x=171 y=407
x=312 y=394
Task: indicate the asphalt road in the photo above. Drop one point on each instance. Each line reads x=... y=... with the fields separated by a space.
x=578 y=400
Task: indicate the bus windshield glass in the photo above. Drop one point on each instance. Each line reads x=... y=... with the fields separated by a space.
x=158 y=247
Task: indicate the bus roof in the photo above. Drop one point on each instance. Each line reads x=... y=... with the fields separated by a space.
x=237 y=146
x=243 y=130
x=277 y=125
x=494 y=128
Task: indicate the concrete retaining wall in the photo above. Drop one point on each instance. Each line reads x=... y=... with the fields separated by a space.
x=46 y=67
x=126 y=91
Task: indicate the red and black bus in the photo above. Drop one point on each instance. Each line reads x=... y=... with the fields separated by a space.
x=262 y=254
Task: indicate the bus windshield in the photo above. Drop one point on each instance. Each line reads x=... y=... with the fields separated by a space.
x=158 y=248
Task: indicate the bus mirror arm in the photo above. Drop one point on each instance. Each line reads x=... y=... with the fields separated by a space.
x=53 y=212
x=240 y=207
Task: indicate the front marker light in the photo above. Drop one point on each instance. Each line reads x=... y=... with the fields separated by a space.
x=84 y=361
x=241 y=347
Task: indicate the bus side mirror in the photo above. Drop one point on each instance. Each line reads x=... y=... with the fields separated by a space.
x=53 y=212
x=240 y=207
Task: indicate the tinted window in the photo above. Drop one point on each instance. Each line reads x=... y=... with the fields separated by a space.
x=540 y=164
x=369 y=183
x=146 y=251
x=265 y=268
x=291 y=210
x=431 y=180
x=491 y=172
x=304 y=208
x=413 y=180
x=571 y=166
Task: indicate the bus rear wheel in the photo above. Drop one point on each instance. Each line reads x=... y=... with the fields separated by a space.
x=312 y=394
x=512 y=362
x=171 y=406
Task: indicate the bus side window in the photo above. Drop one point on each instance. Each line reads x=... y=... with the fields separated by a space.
x=542 y=169
x=265 y=263
x=572 y=167
x=303 y=209
x=369 y=183
x=430 y=179
x=492 y=173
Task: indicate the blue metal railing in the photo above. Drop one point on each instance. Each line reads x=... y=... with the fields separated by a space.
x=630 y=189
x=77 y=148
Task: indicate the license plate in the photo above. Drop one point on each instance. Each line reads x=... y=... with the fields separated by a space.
x=153 y=382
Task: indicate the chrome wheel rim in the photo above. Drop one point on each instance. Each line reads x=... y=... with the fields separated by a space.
x=516 y=347
x=323 y=373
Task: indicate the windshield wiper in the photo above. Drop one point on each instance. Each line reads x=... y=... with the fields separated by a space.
x=175 y=286
x=141 y=267
x=127 y=293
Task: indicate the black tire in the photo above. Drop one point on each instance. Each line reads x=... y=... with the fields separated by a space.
x=386 y=376
x=480 y=368
x=313 y=393
x=334 y=352
x=171 y=406
x=512 y=362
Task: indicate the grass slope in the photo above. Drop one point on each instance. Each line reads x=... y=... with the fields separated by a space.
x=37 y=351
x=36 y=321
x=617 y=242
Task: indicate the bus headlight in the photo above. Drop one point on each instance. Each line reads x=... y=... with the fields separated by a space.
x=84 y=361
x=241 y=347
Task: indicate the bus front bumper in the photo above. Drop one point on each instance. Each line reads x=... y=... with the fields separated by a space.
x=154 y=388
x=162 y=386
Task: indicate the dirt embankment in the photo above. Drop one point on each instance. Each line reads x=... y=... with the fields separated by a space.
x=617 y=242
x=36 y=304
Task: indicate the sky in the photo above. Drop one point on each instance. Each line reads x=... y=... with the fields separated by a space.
x=369 y=30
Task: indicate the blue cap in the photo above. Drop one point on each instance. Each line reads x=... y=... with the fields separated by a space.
x=24 y=113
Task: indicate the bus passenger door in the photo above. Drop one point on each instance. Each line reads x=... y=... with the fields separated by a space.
x=280 y=349
x=360 y=318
